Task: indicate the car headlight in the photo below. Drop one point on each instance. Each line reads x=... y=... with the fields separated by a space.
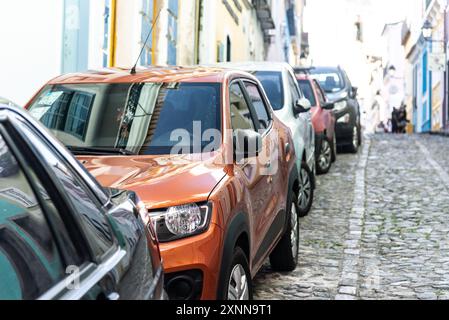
x=339 y=106
x=345 y=119
x=181 y=221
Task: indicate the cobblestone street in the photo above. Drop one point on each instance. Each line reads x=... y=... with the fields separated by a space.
x=379 y=228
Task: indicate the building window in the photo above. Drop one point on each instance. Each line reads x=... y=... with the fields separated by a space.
x=147 y=23
x=228 y=49
x=107 y=25
x=425 y=73
x=172 y=31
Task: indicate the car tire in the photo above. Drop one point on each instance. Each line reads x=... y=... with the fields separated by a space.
x=360 y=136
x=354 y=147
x=334 y=148
x=236 y=271
x=324 y=162
x=284 y=257
x=305 y=191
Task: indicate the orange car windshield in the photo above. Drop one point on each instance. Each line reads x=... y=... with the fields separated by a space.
x=132 y=118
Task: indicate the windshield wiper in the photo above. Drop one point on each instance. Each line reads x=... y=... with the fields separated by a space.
x=101 y=151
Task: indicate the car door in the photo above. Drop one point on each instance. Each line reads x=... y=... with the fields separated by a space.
x=329 y=116
x=31 y=262
x=105 y=261
x=269 y=220
x=305 y=119
x=252 y=171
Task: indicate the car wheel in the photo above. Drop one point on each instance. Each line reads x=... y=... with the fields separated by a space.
x=284 y=257
x=360 y=136
x=305 y=191
x=354 y=148
x=238 y=284
x=334 y=148
x=324 y=162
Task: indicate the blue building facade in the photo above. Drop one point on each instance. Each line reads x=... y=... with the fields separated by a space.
x=422 y=87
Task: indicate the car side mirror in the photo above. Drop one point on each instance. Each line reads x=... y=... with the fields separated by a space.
x=303 y=105
x=354 y=92
x=247 y=144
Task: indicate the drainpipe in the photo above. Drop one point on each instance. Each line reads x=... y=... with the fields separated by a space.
x=446 y=74
x=112 y=47
x=153 y=36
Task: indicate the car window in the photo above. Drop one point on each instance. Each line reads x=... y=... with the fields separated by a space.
x=274 y=87
x=30 y=263
x=330 y=79
x=307 y=90
x=93 y=221
x=240 y=113
x=135 y=117
x=319 y=92
x=258 y=104
x=293 y=89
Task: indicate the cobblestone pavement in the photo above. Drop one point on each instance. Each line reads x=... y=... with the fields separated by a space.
x=379 y=228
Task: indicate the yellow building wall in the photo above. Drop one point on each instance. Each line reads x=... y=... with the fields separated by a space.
x=227 y=26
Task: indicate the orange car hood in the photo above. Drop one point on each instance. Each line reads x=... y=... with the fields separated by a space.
x=160 y=181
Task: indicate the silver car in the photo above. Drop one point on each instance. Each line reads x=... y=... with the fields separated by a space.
x=293 y=109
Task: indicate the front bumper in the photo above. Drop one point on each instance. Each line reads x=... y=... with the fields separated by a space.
x=344 y=130
x=194 y=261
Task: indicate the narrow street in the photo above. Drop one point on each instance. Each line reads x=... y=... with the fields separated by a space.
x=379 y=228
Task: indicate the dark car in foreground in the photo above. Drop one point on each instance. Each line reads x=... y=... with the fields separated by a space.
x=63 y=236
x=338 y=88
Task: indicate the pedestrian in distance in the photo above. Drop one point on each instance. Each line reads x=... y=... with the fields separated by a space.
x=394 y=120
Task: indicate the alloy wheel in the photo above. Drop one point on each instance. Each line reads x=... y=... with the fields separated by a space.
x=305 y=190
x=355 y=138
x=325 y=158
x=294 y=231
x=238 y=288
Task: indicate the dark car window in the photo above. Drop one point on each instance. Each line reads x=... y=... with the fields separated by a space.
x=141 y=118
x=30 y=263
x=307 y=89
x=240 y=113
x=296 y=95
x=94 y=223
x=258 y=104
x=319 y=92
x=274 y=88
x=330 y=79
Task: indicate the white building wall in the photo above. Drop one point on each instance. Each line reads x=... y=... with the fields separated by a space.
x=96 y=34
x=276 y=48
x=208 y=37
x=128 y=33
x=31 y=46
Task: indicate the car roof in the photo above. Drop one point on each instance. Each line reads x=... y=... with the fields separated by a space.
x=149 y=74
x=257 y=66
x=302 y=76
x=325 y=69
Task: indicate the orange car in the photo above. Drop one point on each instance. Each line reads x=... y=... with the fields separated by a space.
x=205 y=153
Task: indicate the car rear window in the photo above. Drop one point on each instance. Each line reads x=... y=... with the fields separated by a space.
x=274 y=88
x=330 y=80
x=307 y=90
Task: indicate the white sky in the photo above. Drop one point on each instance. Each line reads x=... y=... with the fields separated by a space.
x=330 y=24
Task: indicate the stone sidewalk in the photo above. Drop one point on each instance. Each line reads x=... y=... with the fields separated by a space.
x=379 y=228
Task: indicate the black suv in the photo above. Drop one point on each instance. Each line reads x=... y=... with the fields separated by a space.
x=338 y=88
x=62 y=236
